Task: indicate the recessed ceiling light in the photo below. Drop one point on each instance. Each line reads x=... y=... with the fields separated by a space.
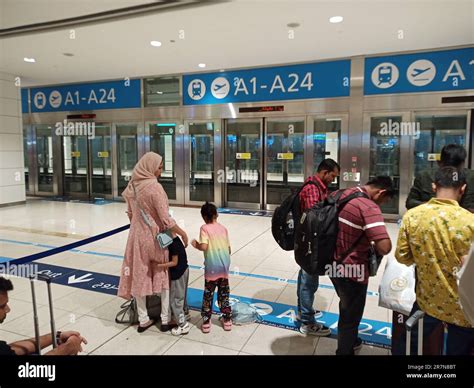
x=293 y=25
x=336 y=19
x=221 y=70
x=202 y=65
x=155 y=43
x=68 y=54
x=30 y=60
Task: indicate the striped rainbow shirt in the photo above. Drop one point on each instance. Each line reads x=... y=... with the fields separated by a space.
x=217 y=257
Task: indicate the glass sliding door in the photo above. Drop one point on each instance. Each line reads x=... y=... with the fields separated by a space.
x=101 y=162
x=127 y=153
x=284 y=159
x=243 y=160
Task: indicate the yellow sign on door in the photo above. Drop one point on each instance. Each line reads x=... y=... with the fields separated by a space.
x=434 y=157
x=75 y=154
x=285 y=156
x=103 y=154
x=243 y=155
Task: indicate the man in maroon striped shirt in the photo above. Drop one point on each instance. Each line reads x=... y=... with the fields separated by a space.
x=359 y=218
x=307 y=284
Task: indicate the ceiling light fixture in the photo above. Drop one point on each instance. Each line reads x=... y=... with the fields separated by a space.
x=155 y=43
x=202 y=65
x=29 y=60
x=336 y=19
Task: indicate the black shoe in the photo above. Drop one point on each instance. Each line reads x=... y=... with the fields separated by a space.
x=141 y=329
x=165 y=328
x=358 y=344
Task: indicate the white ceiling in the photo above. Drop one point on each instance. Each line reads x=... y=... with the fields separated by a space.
x=223 y=35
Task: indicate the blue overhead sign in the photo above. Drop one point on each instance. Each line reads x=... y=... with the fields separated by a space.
x=420 y=72
x=93 y=96
x=24 y=101
x=312 y=80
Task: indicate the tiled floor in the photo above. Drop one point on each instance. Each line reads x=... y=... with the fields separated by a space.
x=254 y=252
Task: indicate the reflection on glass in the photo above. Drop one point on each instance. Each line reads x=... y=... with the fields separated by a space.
x=162 y=141
x=435 y=133
x=25 y=157
x=326 y=141
x=285 y=159
x=44 y=154
x=162 y=91
x=75 y=164
x=127 y=153
x=201 y=179
x=243 y=162
x=101 y=149
x=385 y=156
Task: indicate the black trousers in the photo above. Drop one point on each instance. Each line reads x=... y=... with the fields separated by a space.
x=352 y=297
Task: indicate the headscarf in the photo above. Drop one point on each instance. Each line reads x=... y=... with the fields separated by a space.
x=143 y=174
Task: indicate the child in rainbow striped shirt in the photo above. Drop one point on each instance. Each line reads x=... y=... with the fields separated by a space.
x=214 y=242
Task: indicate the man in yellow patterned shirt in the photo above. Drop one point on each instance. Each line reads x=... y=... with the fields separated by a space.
x=435 y=236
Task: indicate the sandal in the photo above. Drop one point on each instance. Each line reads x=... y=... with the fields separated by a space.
x=206 y=326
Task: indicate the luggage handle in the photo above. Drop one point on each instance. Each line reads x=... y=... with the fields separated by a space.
x=410 y=323
x=47 y=279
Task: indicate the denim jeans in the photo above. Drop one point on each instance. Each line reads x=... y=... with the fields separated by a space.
x=305 y=290
x=459 y=341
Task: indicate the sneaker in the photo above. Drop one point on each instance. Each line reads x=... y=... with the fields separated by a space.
x=227 y=324
x=206 y=326
x=181 y=330
x=315 y=329
x=358 y=344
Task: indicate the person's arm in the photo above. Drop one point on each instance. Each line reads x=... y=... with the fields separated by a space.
x=383 y=247
x=200 y=246
x=129 y=210
x=180 y=232
x=403 y=252
x=172 y=263
x=415 y=196
x=28 y=346
x=70 y=348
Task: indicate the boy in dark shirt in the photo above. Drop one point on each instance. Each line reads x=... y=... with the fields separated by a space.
x=179 y=273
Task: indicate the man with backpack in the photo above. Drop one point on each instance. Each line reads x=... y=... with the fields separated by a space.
x=308 y=284
x=361 y=228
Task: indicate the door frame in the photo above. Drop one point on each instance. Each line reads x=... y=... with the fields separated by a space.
x=265 y=205
x=405 y=157
x=217 y=162
x=179 y=154
x=243 y=205
x=115 y=154
x=343 y=143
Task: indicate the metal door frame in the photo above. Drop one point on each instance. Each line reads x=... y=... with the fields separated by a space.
x=33 y=158
x=115 y=162
x=265 y=205
x=343 y=142
x=244 y=205
x=404 y=157
x=217 y=162
x=179 y=155
x=91 y=167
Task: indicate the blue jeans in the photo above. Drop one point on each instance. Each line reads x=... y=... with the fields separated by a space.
x=305 y=290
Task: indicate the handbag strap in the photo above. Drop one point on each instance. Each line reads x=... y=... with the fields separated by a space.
x=144 y=214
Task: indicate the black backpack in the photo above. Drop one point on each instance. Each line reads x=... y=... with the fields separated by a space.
x=285 y=217
x=316 y=233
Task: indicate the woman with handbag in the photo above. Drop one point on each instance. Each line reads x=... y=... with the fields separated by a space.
x=151 y=229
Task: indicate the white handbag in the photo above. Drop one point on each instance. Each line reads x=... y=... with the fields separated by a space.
x=397 y=288
x=466 y=286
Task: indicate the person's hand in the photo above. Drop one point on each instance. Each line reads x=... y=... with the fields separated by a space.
x=194 y=243
x=185 y=239
x=74 y=344
x=66 y=334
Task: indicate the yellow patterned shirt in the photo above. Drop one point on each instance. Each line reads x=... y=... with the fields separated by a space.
x=435 y=236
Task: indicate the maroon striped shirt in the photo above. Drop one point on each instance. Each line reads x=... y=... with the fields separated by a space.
x=359 y=216
x=312 y=194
